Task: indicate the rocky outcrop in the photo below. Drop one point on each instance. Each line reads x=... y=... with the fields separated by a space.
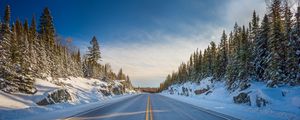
x=112 y=88
x=242 y=98
x=58 y=96
x=185 y=91
x=117 y=90
x=105 y=92
x=200 y=91
x=171 y=91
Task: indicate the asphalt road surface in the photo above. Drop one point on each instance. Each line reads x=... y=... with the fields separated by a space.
x=150 y=107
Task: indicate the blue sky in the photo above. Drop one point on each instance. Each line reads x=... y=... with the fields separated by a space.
x=147 y=38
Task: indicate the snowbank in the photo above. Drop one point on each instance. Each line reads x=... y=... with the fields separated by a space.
x=85 y=93
x=282 y=103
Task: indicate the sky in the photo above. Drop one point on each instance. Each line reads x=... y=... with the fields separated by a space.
x=148 y=39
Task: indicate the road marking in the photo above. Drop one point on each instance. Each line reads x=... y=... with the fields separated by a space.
x=151 y=114
x=149 y=110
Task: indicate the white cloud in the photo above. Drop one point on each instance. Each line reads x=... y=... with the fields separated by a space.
x=240 y=11
x=151 y=60
x=156 y=54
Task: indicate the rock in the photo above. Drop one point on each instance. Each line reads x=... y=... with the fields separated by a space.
x=117 y=90
x=197 y=92
x=105 y=92
x=58 y=96
x=260 y=102
x=185 y=91
x=105 y=79
x=242 y=98
x=171 y=91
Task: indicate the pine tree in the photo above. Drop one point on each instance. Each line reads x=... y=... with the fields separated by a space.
x=24 y=50
x=197 y=64
x=233 y=62
x=47 y=36
x=244 y=56
x=261 y=49
x=5 y=44
x=218 y=63
x=190 y=67
x=291 y=47
x=223 y=55
x=212 y=58
x=200 y=66
x=33 y=47
x=46 y=29
x=121 y=75
x=253 y=36
x=296 y=36
x=93 y=56
x=276 y=67
x=39 y=51
x=206 y=63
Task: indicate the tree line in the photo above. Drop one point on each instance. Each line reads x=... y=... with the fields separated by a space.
x=266 y=51
x=36 y=51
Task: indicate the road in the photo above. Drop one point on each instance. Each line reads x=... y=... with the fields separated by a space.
x=149 y=107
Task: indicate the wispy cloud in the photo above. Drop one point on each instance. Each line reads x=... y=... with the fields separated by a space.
x=240 y=11
x=157 y=53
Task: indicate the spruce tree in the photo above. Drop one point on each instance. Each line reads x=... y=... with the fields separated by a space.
x=212 y=58
x=261 y=49
x=93 y=56
x=277 y=44
x=5 y=45
x=24 y=50
x=46 y=29
x=296 y=36
x=223 y=55
x=291 y=47
x=232 y=70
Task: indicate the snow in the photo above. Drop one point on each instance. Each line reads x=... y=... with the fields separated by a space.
x=84 y=92
x=221 y=100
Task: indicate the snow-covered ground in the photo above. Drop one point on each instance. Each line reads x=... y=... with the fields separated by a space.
x=279 y=106
x=84 y=92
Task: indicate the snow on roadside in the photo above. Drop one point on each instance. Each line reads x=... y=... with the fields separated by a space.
x=56 y=111
x=84 y=92
x=280 y=107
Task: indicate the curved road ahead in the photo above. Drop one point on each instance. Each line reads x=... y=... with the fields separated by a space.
x=150 y=107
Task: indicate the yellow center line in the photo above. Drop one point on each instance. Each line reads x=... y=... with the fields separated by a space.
x=149 y=110
x=151 y=114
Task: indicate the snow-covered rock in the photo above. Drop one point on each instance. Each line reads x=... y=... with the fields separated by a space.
x=57 y=96
x=242 y=98
x=66 y=93
x=72 y=90
x=260 y=101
